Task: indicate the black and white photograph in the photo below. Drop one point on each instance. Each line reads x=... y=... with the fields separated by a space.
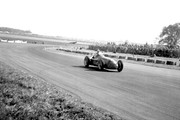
x=89 y=60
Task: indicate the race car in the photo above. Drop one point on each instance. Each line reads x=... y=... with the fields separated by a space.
x=103 y=62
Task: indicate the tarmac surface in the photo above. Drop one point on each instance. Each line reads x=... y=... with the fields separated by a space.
x=138 y=92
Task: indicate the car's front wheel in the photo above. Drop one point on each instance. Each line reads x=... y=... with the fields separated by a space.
x=86 y=61
x=120 y=66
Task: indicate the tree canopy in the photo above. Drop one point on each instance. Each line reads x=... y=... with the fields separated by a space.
x=170 y=35
x=12 y=30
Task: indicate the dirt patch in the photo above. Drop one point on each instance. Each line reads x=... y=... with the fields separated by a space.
x=23 y=96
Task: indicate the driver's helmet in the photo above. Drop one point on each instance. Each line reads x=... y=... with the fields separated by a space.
x=98 y=51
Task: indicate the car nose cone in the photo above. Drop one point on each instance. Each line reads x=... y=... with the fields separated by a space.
x=112 y=65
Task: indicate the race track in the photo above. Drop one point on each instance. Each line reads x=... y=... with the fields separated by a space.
x=139 y=92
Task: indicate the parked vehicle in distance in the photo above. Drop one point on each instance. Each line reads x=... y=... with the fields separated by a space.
x=103 y=62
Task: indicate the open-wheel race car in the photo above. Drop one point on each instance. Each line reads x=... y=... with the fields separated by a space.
x=103 y=62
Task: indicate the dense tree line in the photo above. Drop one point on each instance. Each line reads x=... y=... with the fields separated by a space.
x=26 y=33
x=149 y=50
x=170 y=35
x=12 y=30
x=169 y=45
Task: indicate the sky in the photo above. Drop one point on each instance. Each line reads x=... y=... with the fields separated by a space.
x=136 y=21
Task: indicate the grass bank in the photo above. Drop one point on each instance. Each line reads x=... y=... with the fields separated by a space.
x=23 y=96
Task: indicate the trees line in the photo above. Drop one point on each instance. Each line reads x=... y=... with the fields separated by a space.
x=169 y=45
x=149 y=50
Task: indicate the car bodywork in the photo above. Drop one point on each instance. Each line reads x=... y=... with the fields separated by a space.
x=103 y=62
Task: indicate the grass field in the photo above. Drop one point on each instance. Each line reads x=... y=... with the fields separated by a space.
x=23 y=96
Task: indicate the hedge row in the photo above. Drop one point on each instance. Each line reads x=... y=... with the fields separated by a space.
x=140 y=59
x=149 y=50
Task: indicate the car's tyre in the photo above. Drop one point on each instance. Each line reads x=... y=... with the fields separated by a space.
x=120 y=66
x=86 y=61
x=100 y=65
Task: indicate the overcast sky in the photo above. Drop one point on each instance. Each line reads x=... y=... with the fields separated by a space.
x=138 y=21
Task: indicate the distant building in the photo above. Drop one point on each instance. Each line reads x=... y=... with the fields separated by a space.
x=24 y=41
x=3 y=40
x=10 y=41
x=20 y=41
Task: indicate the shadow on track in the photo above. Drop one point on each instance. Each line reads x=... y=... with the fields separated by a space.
x=93 y=68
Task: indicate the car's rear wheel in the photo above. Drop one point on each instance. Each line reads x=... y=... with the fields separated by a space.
x=100 y=65
x=120 y=66
x=86 y=61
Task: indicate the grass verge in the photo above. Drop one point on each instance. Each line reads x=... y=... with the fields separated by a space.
x=25 y=97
